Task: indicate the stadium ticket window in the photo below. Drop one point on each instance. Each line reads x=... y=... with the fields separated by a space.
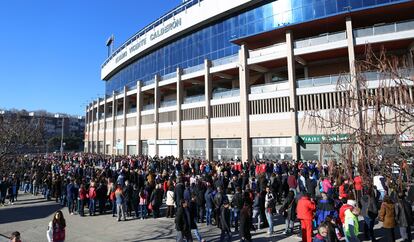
x=272 y=148
x=226 y=149
x=194 y=148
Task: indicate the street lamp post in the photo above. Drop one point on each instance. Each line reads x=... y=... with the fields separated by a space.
x=61 y=141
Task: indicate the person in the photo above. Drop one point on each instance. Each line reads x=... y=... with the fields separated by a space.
x=237 y=205
x=120 y=202
x=379 y=183
x=183 y=222
x=351 y=224
x=305 y=209
x=387 y=217
x=156 y=201
x=245 y=223
x=325 y=208
x=208 y=196
x=369 y=211
x=334 y=234
x=70 y=196
x=92 y=196
x=322 y=234
x=404 y=217
x=224 y=223
x=15 y=237
x=192 y=207
x=288 y=210
x=170 y=202
x=270 y=203
x=57 y=227
x=143 y=196
x=256 y=210
x=82 y=199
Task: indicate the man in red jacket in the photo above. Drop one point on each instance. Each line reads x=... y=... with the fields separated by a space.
x=305 y=210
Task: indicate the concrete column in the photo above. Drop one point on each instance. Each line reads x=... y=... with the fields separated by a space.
x=207 y=92
x=178 y=117
x=124 y=124
x=305 y=71
x=93 y=127
x=104 y=128
x=244 y=74
x=411 y=56
x=157 y=97
x=98 y=127
x=113 y=143
x=139 y=102
x=268 y=77
x=292 y=95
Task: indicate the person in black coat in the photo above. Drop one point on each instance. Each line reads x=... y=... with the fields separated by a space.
x=201 y=202
x=245 y=223
x=183 y=222
x=404 y=217
x=156 y=200
x=179 y=192
x=288 y=210
x=237 y=205
x=224 y=223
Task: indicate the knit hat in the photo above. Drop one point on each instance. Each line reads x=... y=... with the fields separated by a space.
x=351 y=202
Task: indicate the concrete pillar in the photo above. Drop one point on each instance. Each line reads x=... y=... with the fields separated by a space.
x=139 y=103
x=207 y=92
x=178 y=117
x=268 y=77
x=104 y=128
x=124 y=124
x=305 y=71
x=98 y=125
x=355 y=95
x=411 y=56
x=157 y=97
x=244 y=103
x=113 y=143
x=93 y=126
x=292 y=95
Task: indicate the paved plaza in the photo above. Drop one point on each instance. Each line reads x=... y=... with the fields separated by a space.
x=31 y=215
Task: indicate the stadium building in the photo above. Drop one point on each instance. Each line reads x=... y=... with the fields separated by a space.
x=232 y=79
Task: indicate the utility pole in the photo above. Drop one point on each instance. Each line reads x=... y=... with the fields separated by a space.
x=61 y=140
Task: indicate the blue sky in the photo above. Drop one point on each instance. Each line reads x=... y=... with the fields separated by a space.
x=51 y=51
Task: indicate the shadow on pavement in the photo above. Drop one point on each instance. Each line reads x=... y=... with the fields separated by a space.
x=17 y=214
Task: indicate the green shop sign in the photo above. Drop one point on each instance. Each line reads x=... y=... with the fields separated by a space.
x=317 y=139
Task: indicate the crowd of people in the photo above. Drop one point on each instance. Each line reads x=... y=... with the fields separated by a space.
x=237 y=197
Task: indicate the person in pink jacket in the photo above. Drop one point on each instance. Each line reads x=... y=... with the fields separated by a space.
x=327 y=186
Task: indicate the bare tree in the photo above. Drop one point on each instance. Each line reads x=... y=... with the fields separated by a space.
x=19 y=133
x=375 y=109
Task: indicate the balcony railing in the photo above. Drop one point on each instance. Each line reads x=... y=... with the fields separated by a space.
x=169 y=76
x=194 y=99
x=320 y=81
x=226 y=94
x=270 y=87
x=319 y=40
x=225 y=60
x=384 y=29
x=148 y=107
x=193 y=69
x=132 y=110
x=148 y=82
x=168 y=103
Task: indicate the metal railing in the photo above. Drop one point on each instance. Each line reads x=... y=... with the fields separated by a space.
x=269 y=87
x=168 y=103
x=148 y=82
x=322 y=39
x=320 y=80
x=194 y=99
x=132 y=110
x=148 y=107
x=384 y=29
x=193 y=69
x=267 y=50
x=169 y=76
x=225 y=60
x=226 y=94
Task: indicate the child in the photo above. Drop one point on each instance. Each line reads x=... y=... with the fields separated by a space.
x=322 y=234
